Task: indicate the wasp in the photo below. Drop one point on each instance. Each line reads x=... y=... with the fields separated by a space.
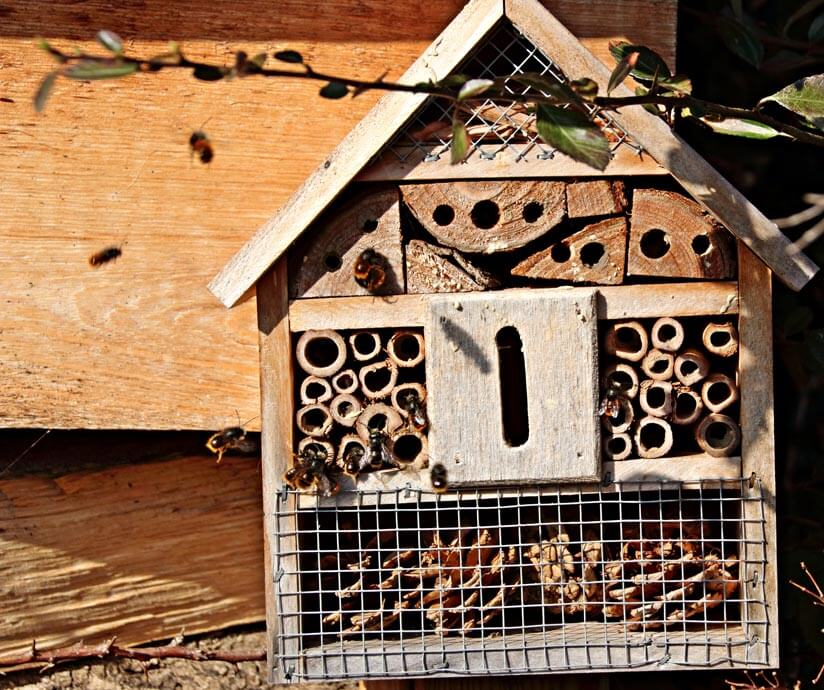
x=414 y=406
x=438 y=478
x=370 y=270
x=201 y=146
x=104 y=256
x=613 y=400
x=231 y=438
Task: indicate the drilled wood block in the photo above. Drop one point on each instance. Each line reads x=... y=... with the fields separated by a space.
x=430 y=268
x=596 y=254
x=488 y=216
x=671 y=236
x=512 y=384
x=595 y=198
x=323 y=265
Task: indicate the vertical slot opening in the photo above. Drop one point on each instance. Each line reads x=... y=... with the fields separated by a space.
x=512 y=372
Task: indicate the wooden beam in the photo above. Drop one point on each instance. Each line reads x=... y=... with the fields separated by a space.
x=138 y=551
x=618 y=302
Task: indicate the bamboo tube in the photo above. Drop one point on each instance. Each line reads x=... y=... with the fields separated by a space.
x=718 y=435
x=397 y=395
x=718 y=392
x=365 y=345
x=658 y=365
x=409 y=447
x=309 y=443
x=378 y=416
x=720 y=339
x=656 y=397
x=653 y=438
x=691 y=366
x=667 y=334
x=624 y=375
x=314 y=389
x=687 y=405
x=623 y=421
x=346 y=443
x=406 y=348
x=378 y=379
x=321 y=353
x=618 y=446
x=314 y=420
x=345 y=409
x=345 y=381
x=627 y=340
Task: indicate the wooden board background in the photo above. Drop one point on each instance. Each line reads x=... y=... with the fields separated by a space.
x=140 y=343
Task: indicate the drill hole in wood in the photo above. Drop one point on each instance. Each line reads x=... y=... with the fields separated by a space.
x=592 y=254
x=369 y=225
x=655 y=243
x=701 y=244
x=560 y=253
x=332 y=262
x=533 y=211
x=443 y=215
x=485 y=214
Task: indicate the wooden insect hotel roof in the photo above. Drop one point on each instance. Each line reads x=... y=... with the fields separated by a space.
x=391 y=114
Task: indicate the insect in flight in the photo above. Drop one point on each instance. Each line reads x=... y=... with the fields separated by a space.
x=232 y=438
x=614 y=398
x=201 y=146
x=104 y=256
x=370 y=270
x=414 y=406
x=438 y=478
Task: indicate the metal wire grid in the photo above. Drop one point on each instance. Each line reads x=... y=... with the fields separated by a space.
x=319 y=553
x=494 y=129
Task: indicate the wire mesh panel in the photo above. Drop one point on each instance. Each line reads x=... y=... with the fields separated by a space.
x=496 y=130
x=413 y=583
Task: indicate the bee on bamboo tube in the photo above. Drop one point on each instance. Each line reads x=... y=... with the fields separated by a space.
x=310 y=471
x=377 y=453
x=370 y=270
x=414 y=407
x=614 y=397
x=438 y=477
x=354 y=460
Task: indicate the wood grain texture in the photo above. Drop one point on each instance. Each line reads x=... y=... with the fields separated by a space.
x=703 y=182
x=137 y=551
x=430 y=268
x=595 y=198
x=614 y=302
x=467 y=385
x=108 y=163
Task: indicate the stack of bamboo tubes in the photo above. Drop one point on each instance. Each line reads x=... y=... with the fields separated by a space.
x=669 y=387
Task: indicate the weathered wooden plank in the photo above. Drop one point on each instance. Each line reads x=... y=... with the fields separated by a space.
x=512 y=382
x=137 y=551
x=619 y=302
x=108 y=163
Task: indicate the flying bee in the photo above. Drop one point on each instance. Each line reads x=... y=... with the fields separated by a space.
x=414 y=406
x=438 y=478
x=232 y=438
x=370 y=270
x=201 y=146
x=614 y=398
x=104 y=256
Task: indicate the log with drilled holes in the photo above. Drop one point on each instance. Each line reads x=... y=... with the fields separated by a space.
x=430 y=268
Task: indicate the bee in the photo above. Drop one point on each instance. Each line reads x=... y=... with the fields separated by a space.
x=414 y=408
x=104 y=256
x=370 y=270
x=231 y=438
x=354 y=460
x=438 y=478
x=613 y=400
x=376 y=453
x=310 y=470
x=201 y=146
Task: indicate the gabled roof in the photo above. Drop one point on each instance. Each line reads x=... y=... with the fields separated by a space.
x=443 y=56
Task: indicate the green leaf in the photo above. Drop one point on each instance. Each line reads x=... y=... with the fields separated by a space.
x=43 y=44
x=805 y=9
x=649 y=107
x=474 y=87
x=100 y=69
x=334 y=90
x=44 y=91
x=678 y=83
x=453 y=81
x=460 y=142
x=586 y=88
x=740 y=40
x=572 y=133
x=292 y=56
x=625 y=65
x=748 y=129
x=648 y=64
x=110 y=41
x=798 y=319
x=815 y=33
x=804 y=97
x=259 y=60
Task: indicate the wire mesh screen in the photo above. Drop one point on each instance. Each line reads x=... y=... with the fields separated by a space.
x=412 y=583
x=495 y=129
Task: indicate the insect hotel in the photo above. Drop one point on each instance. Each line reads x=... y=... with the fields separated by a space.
x=517 y=413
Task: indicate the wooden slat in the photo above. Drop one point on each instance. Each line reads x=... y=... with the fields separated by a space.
x=706 y=185
x=687 y=468
x=623 y=301
x=755 y=378
x=138 y=551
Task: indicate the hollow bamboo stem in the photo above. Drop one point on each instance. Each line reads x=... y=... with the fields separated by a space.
x=623 y=421
x=309 y=443
x=687 y=405
x=623 y=376
x=378 y=379
x=720 y=339
x=347 y=442
x=345 y=381
x=345 y=409
x=314 y=389
x=320 y=353
x=398 y=392
x=656 y=397
x=406 y=348
x=378 y=416
x=658 y=365
x=691 y=366
x=618 y=446
x=314 y=420
x=366 y=345
x=409 y=448
x=627 y=340
x=718 y=435
x=653 y=438
x=718 y=392
x=667 y=334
